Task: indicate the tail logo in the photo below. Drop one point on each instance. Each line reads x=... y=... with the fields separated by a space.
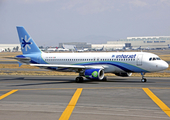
x=26 y=43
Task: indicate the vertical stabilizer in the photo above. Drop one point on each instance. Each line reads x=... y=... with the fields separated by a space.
x=28 y=46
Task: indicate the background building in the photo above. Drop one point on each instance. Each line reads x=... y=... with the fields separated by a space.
x=108 y=47
x=78 y=45
x=144 y=42
x=10 y=47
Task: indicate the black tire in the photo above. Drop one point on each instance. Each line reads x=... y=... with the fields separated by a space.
x=79 y=79
x=143 y=80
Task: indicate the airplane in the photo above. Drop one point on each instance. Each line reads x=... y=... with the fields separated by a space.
x=92 y=66
x=99 y=49
x=138 y=48
x=62 y=49
x=80 y=50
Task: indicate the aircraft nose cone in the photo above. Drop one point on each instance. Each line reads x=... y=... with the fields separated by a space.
x=165 y=65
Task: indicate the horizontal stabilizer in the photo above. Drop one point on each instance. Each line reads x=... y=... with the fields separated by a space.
x=19 y=64
x=23 y=60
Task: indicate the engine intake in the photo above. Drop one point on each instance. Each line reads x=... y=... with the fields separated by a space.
x=94 y=74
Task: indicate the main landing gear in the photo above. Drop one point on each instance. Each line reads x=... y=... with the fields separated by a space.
x=79 y=79
x=143 y=78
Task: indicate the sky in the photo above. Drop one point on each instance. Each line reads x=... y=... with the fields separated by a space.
x=50 y=22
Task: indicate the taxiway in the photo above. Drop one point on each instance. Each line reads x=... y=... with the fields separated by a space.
x=46 y=97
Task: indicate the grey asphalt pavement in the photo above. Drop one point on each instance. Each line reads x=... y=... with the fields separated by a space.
x=46 y=97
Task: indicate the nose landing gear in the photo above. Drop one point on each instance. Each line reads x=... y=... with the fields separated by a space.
x=143 y=78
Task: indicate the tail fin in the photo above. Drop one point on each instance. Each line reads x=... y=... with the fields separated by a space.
x=28 y=46
x=75 y=48
x=102 y=48
x=63 y=46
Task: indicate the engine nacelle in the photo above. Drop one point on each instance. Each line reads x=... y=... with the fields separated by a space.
x=123 y=74
x=94 y=74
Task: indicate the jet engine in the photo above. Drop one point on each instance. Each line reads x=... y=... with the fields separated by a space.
x=123 y=74
x=94 y=74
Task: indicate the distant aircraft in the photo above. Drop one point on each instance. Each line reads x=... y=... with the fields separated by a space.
x=100 y=49
x=148 y=48
x=51 y=49
x=80 y=50
x=89 y=65
x=139 y=48
x=62 y=49
x=168 y=45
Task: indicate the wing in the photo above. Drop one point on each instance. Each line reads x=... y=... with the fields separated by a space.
x=70 y=66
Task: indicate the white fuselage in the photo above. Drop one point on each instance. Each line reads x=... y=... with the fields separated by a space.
x=113 y=62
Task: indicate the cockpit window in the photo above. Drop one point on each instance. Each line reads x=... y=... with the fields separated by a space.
x=154 y=58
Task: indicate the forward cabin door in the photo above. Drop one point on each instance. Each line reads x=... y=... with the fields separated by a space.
x=139 y=60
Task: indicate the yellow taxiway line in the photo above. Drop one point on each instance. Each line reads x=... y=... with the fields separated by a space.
x=70 y=107
x=162 y=105
x=7 y=94
x=88 y=88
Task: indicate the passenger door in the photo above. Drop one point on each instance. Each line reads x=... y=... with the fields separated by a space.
x=139 y=60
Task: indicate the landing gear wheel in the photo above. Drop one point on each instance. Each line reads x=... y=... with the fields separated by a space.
x=79 y=79
x=143 y=77
x=143 y=80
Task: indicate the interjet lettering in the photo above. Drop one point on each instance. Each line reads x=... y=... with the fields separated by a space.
x=126 y=56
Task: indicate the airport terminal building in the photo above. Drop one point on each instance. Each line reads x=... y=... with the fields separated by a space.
x=78 y=45
x=144 y=42
x=148 y=42
x=10 y=47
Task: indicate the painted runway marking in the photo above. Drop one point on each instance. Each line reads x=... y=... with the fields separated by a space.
x=162 y=105
x=89 y=88
x=70 y=107
x=7 y=94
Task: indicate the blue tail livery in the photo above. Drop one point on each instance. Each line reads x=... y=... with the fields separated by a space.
x=28 y=46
